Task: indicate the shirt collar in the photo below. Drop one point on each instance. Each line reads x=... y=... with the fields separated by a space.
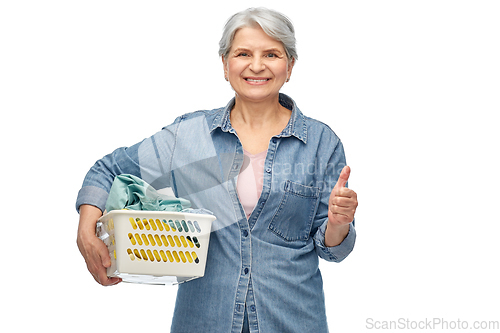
x=296 y=126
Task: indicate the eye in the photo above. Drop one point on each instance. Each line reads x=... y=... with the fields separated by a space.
x=243 y=54
x=271 y=55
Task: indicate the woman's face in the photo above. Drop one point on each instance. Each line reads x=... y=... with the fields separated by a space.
x=257 y=65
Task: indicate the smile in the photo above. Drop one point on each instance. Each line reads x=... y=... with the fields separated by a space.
x=256 y=80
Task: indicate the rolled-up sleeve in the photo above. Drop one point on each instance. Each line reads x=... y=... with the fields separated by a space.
x=92 y=195
x=335 y=253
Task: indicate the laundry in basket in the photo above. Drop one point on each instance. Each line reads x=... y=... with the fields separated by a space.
x=154 y=247
x=131 y=192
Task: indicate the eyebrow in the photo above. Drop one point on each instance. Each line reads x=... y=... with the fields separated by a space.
x=273 y=50
x=240 y=49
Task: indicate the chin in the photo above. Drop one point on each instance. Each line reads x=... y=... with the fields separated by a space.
x=258 y=97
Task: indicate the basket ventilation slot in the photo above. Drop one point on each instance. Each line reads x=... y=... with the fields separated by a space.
x=174 y=225
x=165 y=256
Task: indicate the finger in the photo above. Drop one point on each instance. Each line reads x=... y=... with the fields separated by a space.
x=98 y=261
x=344 y=177
x=114 y=280
x=104 y=256
x=347 y=211
x=346 y=202
x=344 y=205
x=345 y=192
x=105 y=261
x=99 y=272
x=106 y=281
x=347 y=208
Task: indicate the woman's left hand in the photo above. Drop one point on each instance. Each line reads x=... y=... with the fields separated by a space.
x=341 y=208
x=343 y=201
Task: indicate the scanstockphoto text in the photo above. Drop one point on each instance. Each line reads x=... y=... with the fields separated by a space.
x=320 y=176
x=305 y=173
x=431 y=324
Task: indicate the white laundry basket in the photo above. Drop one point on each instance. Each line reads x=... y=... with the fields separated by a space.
x=156 y=247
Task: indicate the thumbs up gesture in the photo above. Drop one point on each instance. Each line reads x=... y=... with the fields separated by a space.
x=343 y=202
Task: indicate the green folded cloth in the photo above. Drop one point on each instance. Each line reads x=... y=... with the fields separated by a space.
x=131 y=192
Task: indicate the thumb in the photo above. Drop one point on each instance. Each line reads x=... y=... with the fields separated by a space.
x=104 y=255
x=106 y=259
x=344 y=177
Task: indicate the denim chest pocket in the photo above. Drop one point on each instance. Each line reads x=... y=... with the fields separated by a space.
x=294 y=217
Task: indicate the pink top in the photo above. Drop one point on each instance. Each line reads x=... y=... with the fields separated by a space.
x=250 y=180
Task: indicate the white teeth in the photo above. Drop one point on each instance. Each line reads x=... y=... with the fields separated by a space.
x=252 y=80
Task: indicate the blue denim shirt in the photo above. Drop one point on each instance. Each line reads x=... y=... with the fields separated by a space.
x=268 y=262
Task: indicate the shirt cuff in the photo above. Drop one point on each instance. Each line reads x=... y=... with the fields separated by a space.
x=92 y=195
x=334 y=253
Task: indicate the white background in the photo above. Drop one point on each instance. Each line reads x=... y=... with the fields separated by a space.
x=411 y=88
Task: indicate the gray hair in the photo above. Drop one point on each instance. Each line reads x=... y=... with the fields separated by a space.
x=275 y=24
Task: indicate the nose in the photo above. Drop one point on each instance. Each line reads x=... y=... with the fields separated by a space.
x=257 y=65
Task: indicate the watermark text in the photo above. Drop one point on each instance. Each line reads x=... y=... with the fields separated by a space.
x=431 y=324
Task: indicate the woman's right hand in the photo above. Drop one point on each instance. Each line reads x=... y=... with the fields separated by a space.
x=93 y=250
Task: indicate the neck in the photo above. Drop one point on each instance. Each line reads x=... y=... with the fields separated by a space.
x=256 y=114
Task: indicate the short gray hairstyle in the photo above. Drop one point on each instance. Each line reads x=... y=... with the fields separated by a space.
x=275 y=24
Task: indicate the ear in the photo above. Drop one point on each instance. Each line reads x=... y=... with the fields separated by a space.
x=290 y=67
x=224 y=64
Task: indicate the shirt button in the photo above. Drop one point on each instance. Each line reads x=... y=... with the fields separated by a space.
x=245 y=233
x=246 y=271
x=268 y=170
x=252 y=308
x=274 y=140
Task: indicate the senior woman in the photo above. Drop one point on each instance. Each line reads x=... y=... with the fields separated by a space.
x=274 y=178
